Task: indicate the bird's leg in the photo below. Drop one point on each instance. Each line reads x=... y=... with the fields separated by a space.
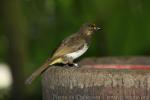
x=70 y=62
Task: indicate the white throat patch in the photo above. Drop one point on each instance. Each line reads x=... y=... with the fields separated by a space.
x=78 y=53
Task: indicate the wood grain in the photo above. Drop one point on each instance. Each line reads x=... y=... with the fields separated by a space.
x=84 y=83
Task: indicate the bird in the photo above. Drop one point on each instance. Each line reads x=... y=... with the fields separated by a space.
x=69 y=49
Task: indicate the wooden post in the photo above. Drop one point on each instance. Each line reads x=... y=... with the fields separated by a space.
x=90 y=83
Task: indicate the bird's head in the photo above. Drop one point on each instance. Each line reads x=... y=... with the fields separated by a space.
x=89 y=28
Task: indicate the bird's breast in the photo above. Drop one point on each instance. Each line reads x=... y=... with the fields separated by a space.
x=78 y=53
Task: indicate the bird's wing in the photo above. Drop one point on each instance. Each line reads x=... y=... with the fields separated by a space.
x=69 y=45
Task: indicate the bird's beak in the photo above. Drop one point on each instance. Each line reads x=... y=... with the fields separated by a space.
x=97 y=28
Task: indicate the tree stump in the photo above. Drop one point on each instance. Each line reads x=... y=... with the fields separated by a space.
x=99 y=83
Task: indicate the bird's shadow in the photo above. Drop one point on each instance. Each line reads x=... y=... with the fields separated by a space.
x=64 y=65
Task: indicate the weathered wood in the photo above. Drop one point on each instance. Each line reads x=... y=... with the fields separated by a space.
x=86 y=83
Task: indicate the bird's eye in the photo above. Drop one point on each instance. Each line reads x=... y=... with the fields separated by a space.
x=91 y=25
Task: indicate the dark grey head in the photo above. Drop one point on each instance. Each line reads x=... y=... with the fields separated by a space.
x=88 y=28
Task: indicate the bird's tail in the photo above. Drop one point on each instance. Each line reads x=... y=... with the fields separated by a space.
x=40 y=70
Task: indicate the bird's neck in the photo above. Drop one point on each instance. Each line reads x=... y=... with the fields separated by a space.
x=87 y=36
x=88 y=39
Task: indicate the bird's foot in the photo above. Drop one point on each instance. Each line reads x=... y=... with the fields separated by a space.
x=76 y=65
x=73 y=65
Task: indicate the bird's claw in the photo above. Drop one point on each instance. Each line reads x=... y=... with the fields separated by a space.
x=76 y=65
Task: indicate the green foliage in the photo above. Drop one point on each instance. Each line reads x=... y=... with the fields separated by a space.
x=125 y=24
x=4 y=94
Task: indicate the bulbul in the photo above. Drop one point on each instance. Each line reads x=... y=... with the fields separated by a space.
x=70 y=49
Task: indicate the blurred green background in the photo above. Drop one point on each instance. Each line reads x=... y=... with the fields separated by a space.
x=31 y=29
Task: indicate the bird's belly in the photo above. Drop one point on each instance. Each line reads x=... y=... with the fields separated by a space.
x=78 y=53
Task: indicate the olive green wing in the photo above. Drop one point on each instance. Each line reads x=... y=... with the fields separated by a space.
x=69 y=45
